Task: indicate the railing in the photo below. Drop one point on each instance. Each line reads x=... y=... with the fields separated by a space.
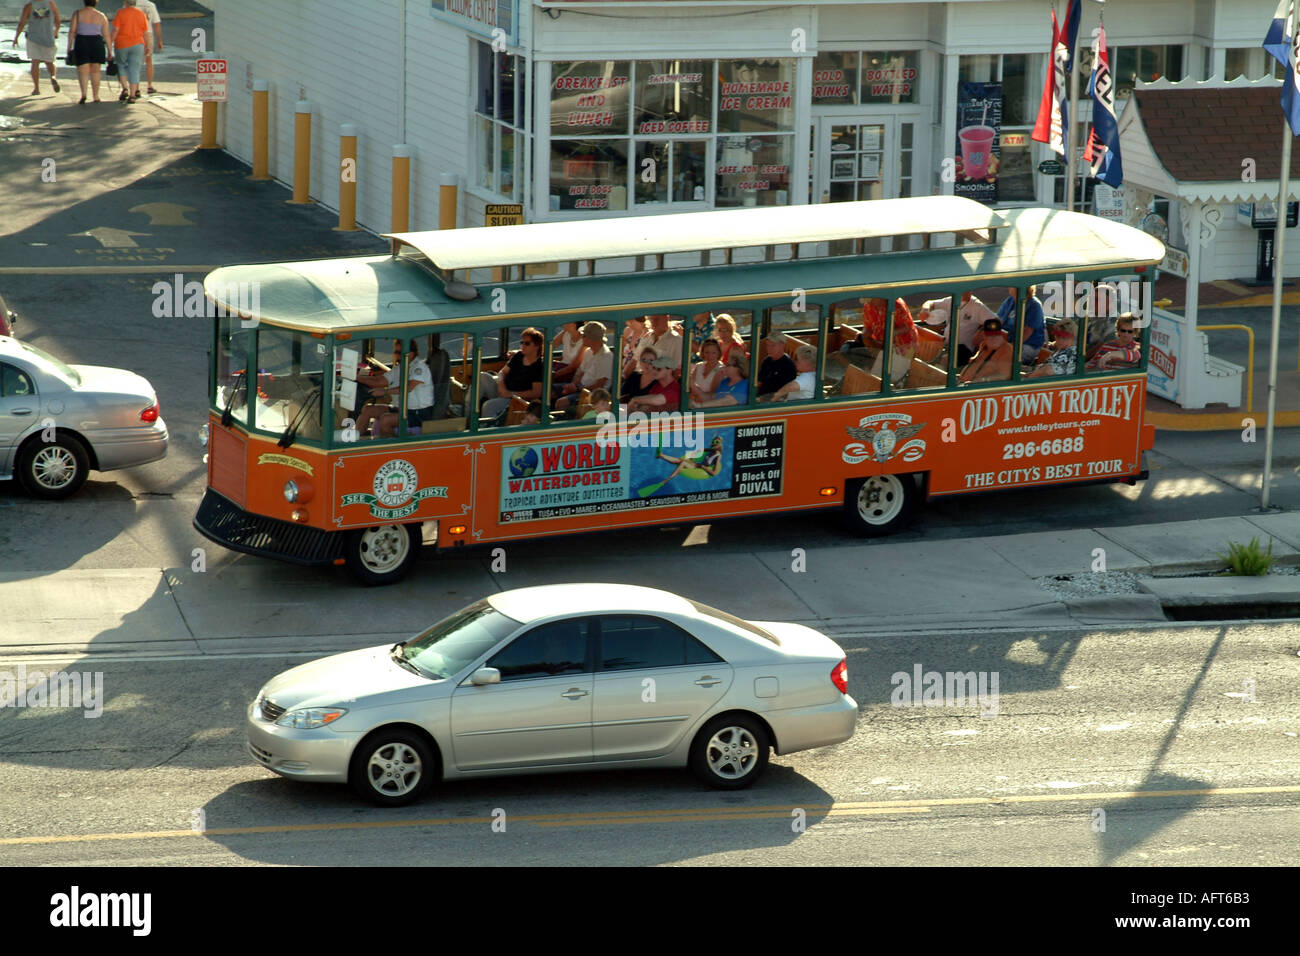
x=1250 y=358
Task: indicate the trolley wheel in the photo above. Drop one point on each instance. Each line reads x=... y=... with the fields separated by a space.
x=383 y=554
x=881 y=504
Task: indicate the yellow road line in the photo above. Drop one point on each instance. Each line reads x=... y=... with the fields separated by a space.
x=1216 y=421
x=692 y=815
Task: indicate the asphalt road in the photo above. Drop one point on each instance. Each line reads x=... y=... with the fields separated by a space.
x=1149 y=726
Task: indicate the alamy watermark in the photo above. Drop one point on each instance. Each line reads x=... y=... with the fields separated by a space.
x=180 y=299
x=60 y=689
x=949 y=689
x=642 y=430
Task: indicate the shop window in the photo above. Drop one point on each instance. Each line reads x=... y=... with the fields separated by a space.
x=1146 y=63
x=755 y=96
x=753 y=171
x=590 y=98
x=589 y=174
x=835 y=79
x=500 y=140
x=889 y=77
x=673 y=96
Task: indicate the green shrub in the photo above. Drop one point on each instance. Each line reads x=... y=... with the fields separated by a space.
x=1248 y=558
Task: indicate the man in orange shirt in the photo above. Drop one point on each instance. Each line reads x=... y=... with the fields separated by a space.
x=131 y=33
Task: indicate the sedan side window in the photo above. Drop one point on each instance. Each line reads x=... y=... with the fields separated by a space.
x=634 y=643
x=546 y=651
x=14 y=382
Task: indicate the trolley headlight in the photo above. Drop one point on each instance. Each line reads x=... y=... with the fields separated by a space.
x=203 y=436
x=310 y=718
x=291 y=491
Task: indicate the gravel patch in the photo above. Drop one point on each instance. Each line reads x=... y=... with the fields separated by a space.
x=1069 y=586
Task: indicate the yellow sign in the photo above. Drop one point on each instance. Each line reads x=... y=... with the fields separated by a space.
x=503 y=214
x=272 y=458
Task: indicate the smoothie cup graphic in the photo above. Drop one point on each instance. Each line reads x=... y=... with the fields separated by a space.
x=976 y=150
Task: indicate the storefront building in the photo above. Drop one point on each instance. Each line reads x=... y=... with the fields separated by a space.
x=605 y=108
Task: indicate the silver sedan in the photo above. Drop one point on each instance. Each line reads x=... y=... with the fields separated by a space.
x=564 y=677
x=59 y=422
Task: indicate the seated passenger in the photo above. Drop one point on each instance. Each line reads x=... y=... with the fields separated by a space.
x=642 y=378
x=706 y=373
x=870 y=342
x=1035 y=323
x=521 y=377
x=804 y=383
x=1064 y=356
x=633 y=331
x=601 y=402
x=572 y=351
x=724 y=330
x=992 y=363
x=664 y=338
x=970 y=320
x=934 y=314
x=666 y=393
x=777 y=368
x=733 y=387
x=1123 y=351
x=597 y=368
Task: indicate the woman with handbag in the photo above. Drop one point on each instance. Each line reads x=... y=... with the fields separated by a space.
x=87 y=46
x=130 y=35
x=41 y=18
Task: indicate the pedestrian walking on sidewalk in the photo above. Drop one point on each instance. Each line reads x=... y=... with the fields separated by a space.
x=88 y=46
x=41 y=18
x=131 y=34
x=155 y=27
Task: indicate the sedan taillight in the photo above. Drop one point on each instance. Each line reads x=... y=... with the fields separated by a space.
x=840 y=676
x=150 y=414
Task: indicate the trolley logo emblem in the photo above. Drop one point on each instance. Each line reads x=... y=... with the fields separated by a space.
x=397 y=491
x=876 y=441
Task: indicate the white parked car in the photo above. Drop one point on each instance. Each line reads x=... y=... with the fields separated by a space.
x=564 y=677
x=60 y=422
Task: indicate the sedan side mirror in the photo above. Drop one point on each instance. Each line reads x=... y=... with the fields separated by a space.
x=485 y=675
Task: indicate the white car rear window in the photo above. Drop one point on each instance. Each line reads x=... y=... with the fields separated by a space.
x=749 y=628
x=50 y=364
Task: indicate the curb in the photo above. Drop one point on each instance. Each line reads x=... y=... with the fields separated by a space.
x=1215 y=421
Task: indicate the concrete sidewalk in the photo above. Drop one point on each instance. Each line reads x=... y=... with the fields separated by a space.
x=253 y=605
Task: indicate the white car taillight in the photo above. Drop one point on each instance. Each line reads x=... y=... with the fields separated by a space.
x=150 y=414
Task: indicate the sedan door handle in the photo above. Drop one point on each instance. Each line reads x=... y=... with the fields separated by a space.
x=573 y=693
x=21 y=411
x=707 y=681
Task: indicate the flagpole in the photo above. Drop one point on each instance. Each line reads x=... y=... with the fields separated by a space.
x=1071 y=167
x=1283 y=191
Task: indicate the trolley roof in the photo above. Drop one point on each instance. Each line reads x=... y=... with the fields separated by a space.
x=534 y=243
x=383 y=292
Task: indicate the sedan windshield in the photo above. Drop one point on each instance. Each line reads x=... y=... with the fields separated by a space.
x=457 y=641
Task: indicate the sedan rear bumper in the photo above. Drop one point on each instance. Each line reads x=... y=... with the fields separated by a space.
x=127 y=447
x=807 y=727
x=314 y=755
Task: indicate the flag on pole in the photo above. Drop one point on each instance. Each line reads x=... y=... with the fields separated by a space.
x=1071 y=27
x=1275 y=40
x=1102 y=151
x=1047 y=114
x=1286 y=50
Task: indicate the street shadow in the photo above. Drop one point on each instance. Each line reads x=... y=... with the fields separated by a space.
x=1132 y=821
x=587 y=800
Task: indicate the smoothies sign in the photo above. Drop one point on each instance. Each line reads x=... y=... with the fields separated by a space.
x=979 y=122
